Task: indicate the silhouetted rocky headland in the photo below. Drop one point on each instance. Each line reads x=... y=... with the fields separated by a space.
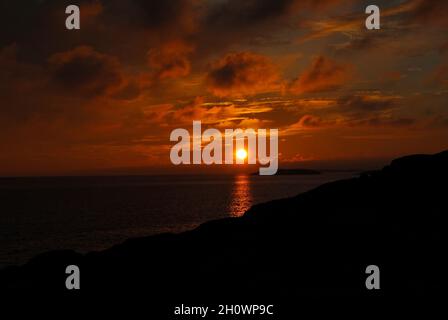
x=317 y=243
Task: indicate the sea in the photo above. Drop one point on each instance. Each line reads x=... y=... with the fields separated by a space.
x=93 y=213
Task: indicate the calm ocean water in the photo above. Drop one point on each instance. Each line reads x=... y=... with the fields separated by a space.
x=93 y=213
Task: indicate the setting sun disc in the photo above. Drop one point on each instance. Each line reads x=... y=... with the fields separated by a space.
x=241 y=154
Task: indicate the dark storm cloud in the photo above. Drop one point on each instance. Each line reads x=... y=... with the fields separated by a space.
x=38 y=27
x=233 y=21
x=242 y=73
x=127 y=28
x=85 y=71
x=431 y=12
x=75 y=85
x=235 y=13
x=178 y=16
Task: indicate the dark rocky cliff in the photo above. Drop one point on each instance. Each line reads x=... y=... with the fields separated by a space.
x=315 y=244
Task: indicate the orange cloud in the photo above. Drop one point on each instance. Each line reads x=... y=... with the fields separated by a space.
x=323 y=75
x=190 y=112
x=170 y=60
x=240 y=74
x=309 y=121
x=92 y=9
x=305 y=123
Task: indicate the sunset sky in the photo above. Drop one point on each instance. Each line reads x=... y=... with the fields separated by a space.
x=108 y=95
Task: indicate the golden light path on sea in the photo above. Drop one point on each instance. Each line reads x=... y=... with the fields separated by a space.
x=241 y=195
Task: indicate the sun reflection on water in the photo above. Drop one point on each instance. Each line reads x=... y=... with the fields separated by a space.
x=241 y=196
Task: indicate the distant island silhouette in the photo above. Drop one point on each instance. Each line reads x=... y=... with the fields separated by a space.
x=286 y=172
x=317 y=243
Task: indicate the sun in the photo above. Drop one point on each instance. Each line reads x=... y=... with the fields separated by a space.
x=241 y=154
